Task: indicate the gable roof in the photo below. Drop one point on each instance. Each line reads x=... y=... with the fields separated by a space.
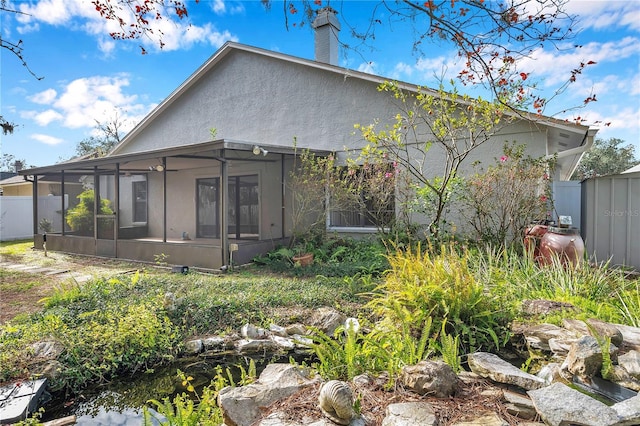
x=345 y=73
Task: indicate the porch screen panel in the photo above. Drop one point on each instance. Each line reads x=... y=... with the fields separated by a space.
x=243 y=207
x=50 y=204
x=106 y=204
x=78 y=214
x=208 y=208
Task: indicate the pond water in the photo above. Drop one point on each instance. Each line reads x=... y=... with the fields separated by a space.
x=121 y=401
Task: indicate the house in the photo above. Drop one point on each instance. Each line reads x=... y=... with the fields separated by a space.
x=206 y=173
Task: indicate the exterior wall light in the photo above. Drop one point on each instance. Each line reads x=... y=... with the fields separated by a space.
x=257 y=150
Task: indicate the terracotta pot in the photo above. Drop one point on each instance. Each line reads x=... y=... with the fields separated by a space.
x=304 y=259
x=533 y=236
x=564 y=244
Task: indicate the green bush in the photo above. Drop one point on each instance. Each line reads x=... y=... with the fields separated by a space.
x=423 y=284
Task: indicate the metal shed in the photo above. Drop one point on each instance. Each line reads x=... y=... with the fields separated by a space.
x=611 y=218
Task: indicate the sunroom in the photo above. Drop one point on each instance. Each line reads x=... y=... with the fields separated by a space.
x=206 y=205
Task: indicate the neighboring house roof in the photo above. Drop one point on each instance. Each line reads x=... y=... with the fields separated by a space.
x=633 y=169
x=14 y=180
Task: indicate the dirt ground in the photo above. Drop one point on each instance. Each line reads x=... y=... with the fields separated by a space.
x=27 y=276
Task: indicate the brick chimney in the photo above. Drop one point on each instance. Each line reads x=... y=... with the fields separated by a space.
x=327 y=28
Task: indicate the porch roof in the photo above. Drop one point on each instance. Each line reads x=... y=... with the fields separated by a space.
x=221 y=150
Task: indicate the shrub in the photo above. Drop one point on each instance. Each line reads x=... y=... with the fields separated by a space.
x=441 y=286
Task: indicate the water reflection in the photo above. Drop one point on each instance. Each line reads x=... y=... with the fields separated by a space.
x=121 y=402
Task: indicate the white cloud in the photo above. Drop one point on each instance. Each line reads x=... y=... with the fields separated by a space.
x=45 y=97
x=46 y=139
x=46 y=117
x=81 y=15
x=554 y=67
x=606 y=14
x=84 y=101
x=368 y=67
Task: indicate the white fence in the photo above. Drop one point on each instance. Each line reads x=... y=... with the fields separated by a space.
x=16 y=216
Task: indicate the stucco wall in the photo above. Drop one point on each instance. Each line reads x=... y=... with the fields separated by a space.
x=265 y=100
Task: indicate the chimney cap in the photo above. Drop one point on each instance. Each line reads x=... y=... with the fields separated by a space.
x=326 y=15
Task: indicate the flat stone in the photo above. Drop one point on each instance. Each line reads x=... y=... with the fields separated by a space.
x=410 y=414
x=493 y=367
x=628 y=411
x=560 y=405
x=481 y=419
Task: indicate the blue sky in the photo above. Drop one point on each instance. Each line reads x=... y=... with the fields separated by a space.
x=88 y=76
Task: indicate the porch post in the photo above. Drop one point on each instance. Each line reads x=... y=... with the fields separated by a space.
x=283 y=200
x=224 y=231
x=96 y=201
x=35 y=204
x=64 y=213
x=116 y=207
x=164 y=199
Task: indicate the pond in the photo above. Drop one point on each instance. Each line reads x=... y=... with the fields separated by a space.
x=121 y=401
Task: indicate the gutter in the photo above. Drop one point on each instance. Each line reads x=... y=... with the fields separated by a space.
x=585 y=145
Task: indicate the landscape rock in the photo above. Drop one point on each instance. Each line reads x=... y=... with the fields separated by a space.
x=628 y=411
x=519 y=405
x=241 y=406
x=327 y=320
x=215 y=343
x=620 y=376
x=193 y=347
x=630 y=336
x=631 y=363
x=47 y=349
x=296 y=329
x=544 y=307
x=251 y=332
x=584 y=358
x=560 y=405
x=277 y=330
x=251 y=347
x=481 y=419
x=433 y=378
x=602 y=330
x=493 y=367
x=410 y=414
x=538 y=336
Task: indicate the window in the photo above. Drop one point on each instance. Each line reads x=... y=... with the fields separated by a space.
x=208 y=225
x=139 y=201
x=243 y=207
x=365 y=197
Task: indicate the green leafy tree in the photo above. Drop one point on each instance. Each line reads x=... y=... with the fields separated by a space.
x=606 y=157
x=452 y=125
x=109 y=135
x=8 y=163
